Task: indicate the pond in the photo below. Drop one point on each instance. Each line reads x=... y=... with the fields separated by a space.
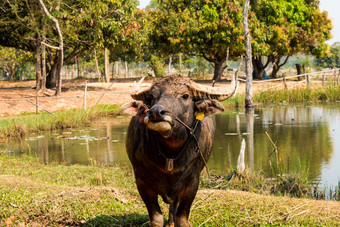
x=307 y=137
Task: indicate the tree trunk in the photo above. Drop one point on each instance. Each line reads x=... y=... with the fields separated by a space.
x=249 y=78
x=43 y=64
x=277 y=65
x=38 y=68
x=299 y=71
x=126 y=69
x=106 y=65
x=60 y=58
x=51 y=77
x=97 y=65
x=218 y=70
x=259 y=67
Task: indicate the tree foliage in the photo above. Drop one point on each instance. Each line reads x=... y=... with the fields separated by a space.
x=166 y=30
x=204 y=28
x=84 y=25
x=11 y=59
x=283 y=28
x=331 y=60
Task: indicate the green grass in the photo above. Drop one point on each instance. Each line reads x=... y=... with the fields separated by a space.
x=235 y=102
x=295 y=185
x=330 y=93
x=18 y=126
x=59 y=195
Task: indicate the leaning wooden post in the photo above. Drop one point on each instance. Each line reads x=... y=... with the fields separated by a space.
x=323 y=79
x=85 y=95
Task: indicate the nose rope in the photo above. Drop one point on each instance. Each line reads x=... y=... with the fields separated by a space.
x=198 y=119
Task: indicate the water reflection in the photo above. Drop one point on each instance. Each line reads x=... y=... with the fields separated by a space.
x=301 y=133
x=307 y=137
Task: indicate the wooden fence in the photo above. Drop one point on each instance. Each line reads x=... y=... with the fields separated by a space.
x=309 y=80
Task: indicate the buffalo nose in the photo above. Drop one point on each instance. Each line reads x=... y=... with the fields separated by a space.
x=156 y=113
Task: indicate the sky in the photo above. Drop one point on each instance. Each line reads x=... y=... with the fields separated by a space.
x=332 y=6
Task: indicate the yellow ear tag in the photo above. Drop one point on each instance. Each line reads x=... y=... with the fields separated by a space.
x=200 y=116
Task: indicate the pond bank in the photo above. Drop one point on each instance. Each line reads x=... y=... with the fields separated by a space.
x=33 y=193
x=19 y=126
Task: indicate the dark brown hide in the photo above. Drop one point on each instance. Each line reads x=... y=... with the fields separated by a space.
x=156 y=139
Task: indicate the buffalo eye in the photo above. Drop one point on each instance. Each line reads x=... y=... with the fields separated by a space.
x=185 y=96
x=149 y=99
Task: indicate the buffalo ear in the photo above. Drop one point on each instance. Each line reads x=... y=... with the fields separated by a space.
x=209 y=107
x=131 y=108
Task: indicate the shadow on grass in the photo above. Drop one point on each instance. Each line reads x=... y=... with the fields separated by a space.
x=132 y=219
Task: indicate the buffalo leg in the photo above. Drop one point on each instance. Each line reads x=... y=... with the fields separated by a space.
x=185 y=201
x=172 y=213
x=151 y=201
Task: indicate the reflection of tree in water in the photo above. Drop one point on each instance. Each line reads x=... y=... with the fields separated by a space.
x=302 y=138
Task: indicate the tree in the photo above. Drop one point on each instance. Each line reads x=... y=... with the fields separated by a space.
x=11 y=59
x=84 y=24
x=332 y=60
x=283 y=28
x=203 y=28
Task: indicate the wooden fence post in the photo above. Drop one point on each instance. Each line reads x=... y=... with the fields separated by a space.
x=85 y=95
x=285 y=83
x=308 y=80
x=37 y=103
x=323 y=79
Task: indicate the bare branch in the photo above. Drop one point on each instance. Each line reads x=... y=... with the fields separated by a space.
x=285 y=61
x=50 y=46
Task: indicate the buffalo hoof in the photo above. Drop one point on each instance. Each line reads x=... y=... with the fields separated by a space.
x=157 y=220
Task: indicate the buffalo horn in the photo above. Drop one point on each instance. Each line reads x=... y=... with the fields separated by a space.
x=141 y=95
x=208 y=92
x=199 y=91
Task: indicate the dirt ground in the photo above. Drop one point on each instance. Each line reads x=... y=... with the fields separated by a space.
x=20 y=97
x=17 y=97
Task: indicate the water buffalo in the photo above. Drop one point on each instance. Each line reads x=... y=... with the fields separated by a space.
x=168 y=141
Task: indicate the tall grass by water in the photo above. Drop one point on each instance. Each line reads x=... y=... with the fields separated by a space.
x=279 y=181
x=330 y=93
x=18 y=126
